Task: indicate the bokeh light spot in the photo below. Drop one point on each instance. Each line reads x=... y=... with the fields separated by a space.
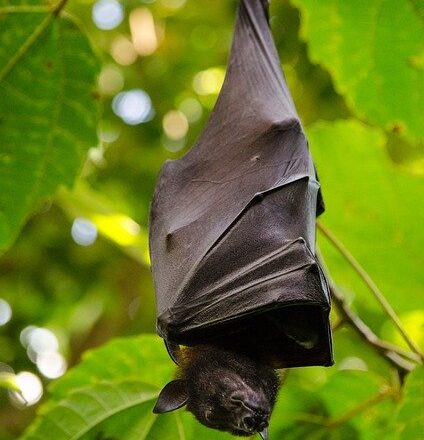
x=208 y=82
x=5 y=312
x=111 y=80
x=123 y=51
x=108 y=132
x=25 y=334
x=133 y=106
x=51 y=364
x=31 y=389
x=353 y=363
x=173 y=145
x=42 y=339
x=83 y=231
x=107 y=14
x=175 y=125
x=143 y=31
x=96 y=155
x=192 y=108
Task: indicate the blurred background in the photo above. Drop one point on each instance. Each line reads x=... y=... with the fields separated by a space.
x=78 y=275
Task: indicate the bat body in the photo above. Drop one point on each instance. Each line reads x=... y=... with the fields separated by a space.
x=232 y=232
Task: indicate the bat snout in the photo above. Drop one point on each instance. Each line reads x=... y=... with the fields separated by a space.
x=255 y=423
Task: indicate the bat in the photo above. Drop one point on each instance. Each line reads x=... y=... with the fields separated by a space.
x=232 y=233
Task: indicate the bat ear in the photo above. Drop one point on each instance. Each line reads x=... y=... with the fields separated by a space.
x=173 y=396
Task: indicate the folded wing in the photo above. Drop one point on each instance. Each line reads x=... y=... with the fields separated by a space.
x=232 y=228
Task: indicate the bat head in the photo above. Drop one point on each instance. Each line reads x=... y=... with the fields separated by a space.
x=224 y=390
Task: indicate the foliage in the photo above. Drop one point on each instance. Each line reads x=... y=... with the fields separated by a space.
x=389 y=246
x=356 y=73
x=374 y=53
x=47 y=77
x=115 y=398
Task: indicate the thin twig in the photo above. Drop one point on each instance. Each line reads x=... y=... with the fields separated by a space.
x=393 y=354
x=366 y=333
x=371 y=285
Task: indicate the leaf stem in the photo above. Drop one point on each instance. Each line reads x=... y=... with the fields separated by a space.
x=371 y=285
x=36 y=34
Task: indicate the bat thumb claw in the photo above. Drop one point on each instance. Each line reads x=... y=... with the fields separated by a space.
x=264 y=434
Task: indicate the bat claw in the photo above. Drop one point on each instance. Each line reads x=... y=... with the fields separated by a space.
x=264 y=434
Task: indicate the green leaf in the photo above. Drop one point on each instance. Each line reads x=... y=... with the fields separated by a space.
x=310 y=431
x=361 y=399
x=373 y=49
x=373 y=209
x=48 y=116
x=110 y=396
x=81 y=414
x=361 y=385
x=410 y=419
x=351 y=352
x=143 y=358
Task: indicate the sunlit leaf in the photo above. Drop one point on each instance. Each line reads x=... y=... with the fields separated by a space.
x=82 y=412
x=413 y=323
x=47 y=111
x=116 y=226
x=143 y=358
x=374 y=52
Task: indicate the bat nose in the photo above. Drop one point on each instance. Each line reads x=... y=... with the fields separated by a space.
x=255 y=423
x=249 y=423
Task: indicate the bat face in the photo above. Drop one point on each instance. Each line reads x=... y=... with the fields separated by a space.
x=230 y=401
x=225 y=391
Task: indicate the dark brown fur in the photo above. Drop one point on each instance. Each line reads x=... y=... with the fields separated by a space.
x=224 y=390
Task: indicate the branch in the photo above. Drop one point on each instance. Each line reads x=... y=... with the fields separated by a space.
x=371 y=285
x=393 y=354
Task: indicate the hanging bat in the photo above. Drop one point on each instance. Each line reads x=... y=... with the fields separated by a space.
x=232 y=242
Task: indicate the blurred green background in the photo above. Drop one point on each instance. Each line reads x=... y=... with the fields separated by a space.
x=77 y=274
